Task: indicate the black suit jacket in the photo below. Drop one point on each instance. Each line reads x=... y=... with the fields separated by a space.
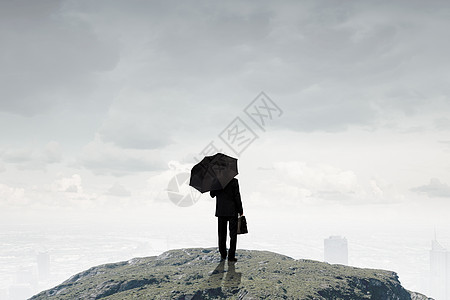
x=228 y=200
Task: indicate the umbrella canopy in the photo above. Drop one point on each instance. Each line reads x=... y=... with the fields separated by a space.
x=213 y=172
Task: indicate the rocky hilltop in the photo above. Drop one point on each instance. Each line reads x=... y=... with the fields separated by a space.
x=199 y=274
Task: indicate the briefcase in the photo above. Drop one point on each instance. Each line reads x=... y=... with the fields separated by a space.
x=242 y=225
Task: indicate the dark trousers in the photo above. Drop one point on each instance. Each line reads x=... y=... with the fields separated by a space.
x=223 y=236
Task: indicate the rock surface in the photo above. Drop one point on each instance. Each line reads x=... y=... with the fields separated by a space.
x=198 y=274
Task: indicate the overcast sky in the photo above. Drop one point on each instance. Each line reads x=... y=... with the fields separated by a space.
x=103 y=102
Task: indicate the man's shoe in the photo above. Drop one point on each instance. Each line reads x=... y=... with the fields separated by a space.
x=222 y=258
x=232 y=259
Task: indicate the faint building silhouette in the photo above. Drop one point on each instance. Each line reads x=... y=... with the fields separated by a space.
x=439 y=271
x=3 y=294
x=336 y=250
x=43 y=264
x=26 y=283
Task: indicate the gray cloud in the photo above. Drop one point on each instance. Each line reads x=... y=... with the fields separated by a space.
x=120 y=166
x=107 y=159
x=48 y=57
x=168 y=69
x=330 y=66
x=442 y=123
x=118 y=190
x=145 y=119
x=139 y=124
x=52 y=153
x=32 y=158
x=71 y=189
x=435 y=188
x=16 y=155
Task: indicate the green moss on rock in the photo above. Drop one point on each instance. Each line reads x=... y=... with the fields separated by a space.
x=199 y=274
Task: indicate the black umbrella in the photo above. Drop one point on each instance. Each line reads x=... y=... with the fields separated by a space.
x=213 y=172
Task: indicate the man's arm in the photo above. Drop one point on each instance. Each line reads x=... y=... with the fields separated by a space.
x=237 y=199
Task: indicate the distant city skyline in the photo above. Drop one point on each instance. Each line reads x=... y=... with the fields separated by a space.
x=72 y=251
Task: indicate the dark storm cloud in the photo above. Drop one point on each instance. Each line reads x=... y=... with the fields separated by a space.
x=328 y=65
x=48 y=57
x=331 y=65
x=360 y=63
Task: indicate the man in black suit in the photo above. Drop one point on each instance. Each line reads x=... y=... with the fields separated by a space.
x=228 y=206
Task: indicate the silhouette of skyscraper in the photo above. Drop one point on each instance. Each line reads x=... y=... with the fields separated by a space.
x=336 y=250
x=439 y=272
